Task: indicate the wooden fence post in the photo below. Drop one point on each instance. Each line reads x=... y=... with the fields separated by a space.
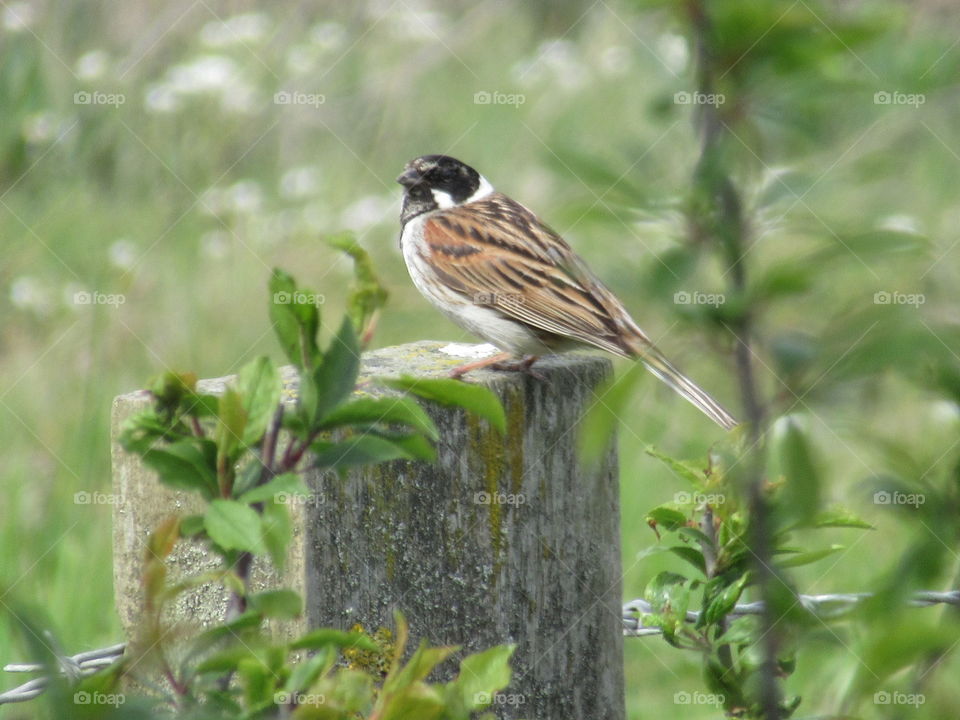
x=503 y=539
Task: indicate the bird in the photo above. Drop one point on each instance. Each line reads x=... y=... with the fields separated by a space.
x=498 y=271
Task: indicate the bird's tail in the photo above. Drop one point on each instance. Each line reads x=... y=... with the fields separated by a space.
x=684 y=386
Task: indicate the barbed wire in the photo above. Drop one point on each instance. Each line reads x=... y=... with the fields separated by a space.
x=73 y=667
x=823 y=606
x=826 y=607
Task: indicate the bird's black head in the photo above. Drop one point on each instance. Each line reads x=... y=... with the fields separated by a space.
x=436 y=182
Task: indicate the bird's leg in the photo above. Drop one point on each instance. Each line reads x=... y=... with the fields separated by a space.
x=523 y=366
x=461 y=370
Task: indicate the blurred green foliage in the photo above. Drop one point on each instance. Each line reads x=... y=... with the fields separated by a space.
x=181 y=198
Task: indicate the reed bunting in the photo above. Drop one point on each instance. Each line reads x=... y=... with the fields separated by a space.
x=495 y=269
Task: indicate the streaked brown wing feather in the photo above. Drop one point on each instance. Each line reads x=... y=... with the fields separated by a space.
x=498 y=254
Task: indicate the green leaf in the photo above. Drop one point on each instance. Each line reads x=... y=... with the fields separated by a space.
x=841 y=518
x=336 y=375
x=234 y=526
x=415 y=446
x=397 y=410
x=328 y=637
x=191 y=525
x=412 y=702
x=256 y=679
x=186 y=465
x=805 y=558
x=248 y=620
x=231 y=422
x=667 y=589
x=260 y=386
x=475 y=399
x=669 y=597
x=421 y=664
x=719 y=606
x=596 y=431
x=367 y=295
x=284 y=484
x=247 y=476
x=350 y=691
x=695 y=534
x=141 y=432
x=358 y=450
x=482 y=675
x=781 y=280
x=870 y=244
x=801 y=492
x=691 y=474
x=277 y=531
x=277 y=603
x=691 y=555
x=169 y=388
x=295 y=321
x=224 y=661
x=305 y=673
x=200 y=405
x=741 y=631
x=667 y=517
x=163 y=538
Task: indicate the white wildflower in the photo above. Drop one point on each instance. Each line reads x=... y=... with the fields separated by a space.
x=244 y=29
x=162 y=98
x=122 y=254
x=300 y=182
x=901 y=223
x=215 y=244
x=27 y=293
x=17 y=16
x=92 y=65
x=674 y=52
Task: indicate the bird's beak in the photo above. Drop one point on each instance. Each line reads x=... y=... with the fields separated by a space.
x=410 y=177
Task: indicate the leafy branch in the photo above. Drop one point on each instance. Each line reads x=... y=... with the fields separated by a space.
x=242 y=452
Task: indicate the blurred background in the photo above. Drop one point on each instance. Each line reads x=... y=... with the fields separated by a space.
x=157 y=159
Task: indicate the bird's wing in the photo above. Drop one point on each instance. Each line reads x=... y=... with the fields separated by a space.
x=498 y=254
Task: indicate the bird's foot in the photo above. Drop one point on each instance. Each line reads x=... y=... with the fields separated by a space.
x=503 y=362
x=524 y=366
x=458 y=372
